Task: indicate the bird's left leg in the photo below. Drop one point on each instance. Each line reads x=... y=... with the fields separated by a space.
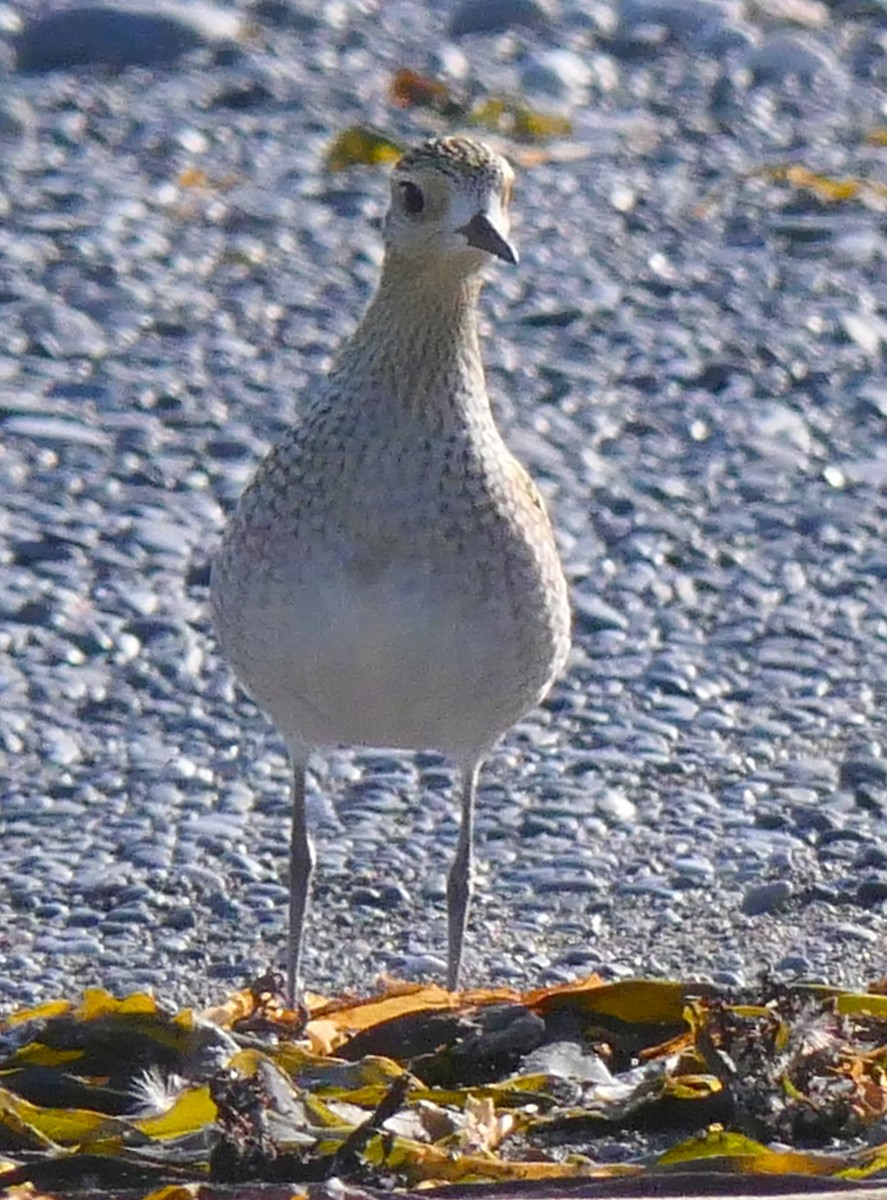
x=459 y=883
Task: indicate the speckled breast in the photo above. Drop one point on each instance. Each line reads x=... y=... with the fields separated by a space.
x=393 y=644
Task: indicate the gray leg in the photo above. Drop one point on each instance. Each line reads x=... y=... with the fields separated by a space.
x=459 y=882
x=301 y=871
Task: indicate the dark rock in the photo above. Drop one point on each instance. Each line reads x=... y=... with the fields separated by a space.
x=243 y=96
x=288 y=14
x=864 y=770
x=99 y=34
x=180 y=918
x=872 y=891
x=497 y=16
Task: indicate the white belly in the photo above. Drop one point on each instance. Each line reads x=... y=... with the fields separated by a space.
x=402 y=662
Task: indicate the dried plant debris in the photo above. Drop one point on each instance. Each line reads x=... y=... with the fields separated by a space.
x=828 y=189
x=566 y=1088
x=509 y=117
x=410 y=89
x=360 y=146
x=512 y=117
x=820 y=189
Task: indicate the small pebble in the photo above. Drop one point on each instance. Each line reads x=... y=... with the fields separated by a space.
x=767 y=898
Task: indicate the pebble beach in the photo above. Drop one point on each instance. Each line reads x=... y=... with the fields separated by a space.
x=690 y=361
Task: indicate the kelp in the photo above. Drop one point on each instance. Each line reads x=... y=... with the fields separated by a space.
x=418 y=1087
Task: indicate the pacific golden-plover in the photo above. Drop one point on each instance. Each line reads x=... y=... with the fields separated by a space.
x=390 y=577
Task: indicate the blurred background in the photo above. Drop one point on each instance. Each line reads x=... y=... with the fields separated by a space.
x=689 y=358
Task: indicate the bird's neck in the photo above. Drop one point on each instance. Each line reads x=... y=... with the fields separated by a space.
x=418 y=341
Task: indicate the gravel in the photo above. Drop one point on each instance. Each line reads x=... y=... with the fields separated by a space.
x=690 y=358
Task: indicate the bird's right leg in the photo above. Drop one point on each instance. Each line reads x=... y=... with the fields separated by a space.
x=302 y=860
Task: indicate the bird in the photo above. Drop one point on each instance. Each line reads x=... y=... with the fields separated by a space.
x=390 y=577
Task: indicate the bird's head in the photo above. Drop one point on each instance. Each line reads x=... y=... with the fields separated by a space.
x=449 y=206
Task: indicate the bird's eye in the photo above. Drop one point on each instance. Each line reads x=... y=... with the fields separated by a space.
x=412 y=199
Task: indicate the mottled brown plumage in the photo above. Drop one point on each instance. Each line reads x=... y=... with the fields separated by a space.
x=390 y=577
